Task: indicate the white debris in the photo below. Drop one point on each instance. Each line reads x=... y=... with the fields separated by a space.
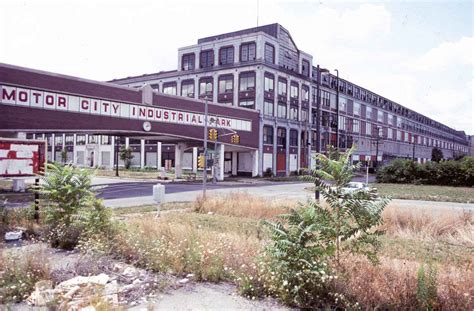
x=13 y=235
x=183 y=281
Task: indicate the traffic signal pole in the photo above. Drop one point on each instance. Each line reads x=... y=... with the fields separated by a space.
x=204 y=171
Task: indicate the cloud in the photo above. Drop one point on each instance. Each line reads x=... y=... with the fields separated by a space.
x=446 y=55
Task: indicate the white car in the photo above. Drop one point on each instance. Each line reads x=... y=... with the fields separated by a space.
x=354 y=186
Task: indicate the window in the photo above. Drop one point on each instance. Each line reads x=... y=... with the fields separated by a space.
x=226 y=84
x=105 y=140
x=187 y=88
x=268 y=135
x=69 y=140
x=169 y=88
x=294 y=90
x=304 y=115
x=205 y=88
x=390 y=133
x=187 y=62
x=356 y=109
x=368 y=128
x=247 y=103
x=304 y=93
x=58 y=140
x=206 y=59
x=247 y=52
x=226 y=55
x=342 y=104
x=368 y=113
x=325 y=98
x=294 y=113
x=390 y=119
x=94 y=139
x=269 y=53
x=281 y=113
x=80 y=139
x=380 y=116
x=293 y=138
x=247 y=81
x=269 y=83
x=282 y=87
x=155 y=86
x=268 y=108
x=356 y=126
x=281 y=137
x=342 y=123
x=305 y=68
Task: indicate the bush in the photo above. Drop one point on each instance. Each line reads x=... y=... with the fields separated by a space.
x=304 y=255
x=268 y=172
x=72 y=209
x=452 y=173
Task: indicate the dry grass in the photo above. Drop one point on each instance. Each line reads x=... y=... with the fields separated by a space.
x=393 y=284
x=456 y=227
x=242 y=205
x=212 y=247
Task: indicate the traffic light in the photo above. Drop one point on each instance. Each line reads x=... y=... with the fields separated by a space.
x=201 y=161
x=213 y=134
x=235 y=139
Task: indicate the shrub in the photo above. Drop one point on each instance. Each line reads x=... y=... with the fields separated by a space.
x=72 y=209
x=311 y=238
x=452 y=173
x=268 y=172
x=126 y=156
x=427 y=287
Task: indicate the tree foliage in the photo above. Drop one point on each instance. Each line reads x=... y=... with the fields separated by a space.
x=308 y=242
x=436 y=155
x=71 y=206
x=126 y=156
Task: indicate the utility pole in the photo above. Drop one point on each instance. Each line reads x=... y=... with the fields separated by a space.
x=318 y=116
x=117 y=150
x=337 y=109
x=204 y=171
x=414 y=142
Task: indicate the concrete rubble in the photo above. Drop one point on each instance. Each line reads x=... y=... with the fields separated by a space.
x=123 y=285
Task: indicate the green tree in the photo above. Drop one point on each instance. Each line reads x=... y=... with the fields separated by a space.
x=64 y=155
x=436 y=154
x=126 y=156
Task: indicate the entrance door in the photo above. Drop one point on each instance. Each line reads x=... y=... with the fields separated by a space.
x=281 y=164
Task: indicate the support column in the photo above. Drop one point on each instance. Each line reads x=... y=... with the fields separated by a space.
x=74 y=156
x=53 y=147
x=142 y=153
x=178 y=159
x=254 y=163
x=220 y=166
x=195 y=159
x=234 y=163
x=275 y=150
x=112 y=152
x=158 y=156
x=287 y=169
x=298 y=157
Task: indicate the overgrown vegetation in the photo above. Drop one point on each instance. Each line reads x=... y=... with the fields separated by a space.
x=449 y=173
x=19 y=273
x=71 y=210
x=426 y=192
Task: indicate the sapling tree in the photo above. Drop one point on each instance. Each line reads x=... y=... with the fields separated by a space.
x=349 y=216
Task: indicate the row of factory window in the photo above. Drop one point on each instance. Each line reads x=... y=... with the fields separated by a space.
x=226 y=56
x=369 y=113
x=378 y=101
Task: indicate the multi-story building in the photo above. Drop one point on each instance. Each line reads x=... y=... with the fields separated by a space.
x=262 y=68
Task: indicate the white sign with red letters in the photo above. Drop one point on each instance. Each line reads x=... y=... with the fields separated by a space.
x=26 y=97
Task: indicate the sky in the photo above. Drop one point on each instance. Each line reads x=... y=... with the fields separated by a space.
x=416 y=53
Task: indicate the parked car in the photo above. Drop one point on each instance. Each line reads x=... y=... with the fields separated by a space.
x=354 y=186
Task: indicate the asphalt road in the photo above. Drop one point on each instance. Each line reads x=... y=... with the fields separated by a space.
x=142 y=189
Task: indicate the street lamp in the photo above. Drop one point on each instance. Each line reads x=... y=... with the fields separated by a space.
x=337 y=109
